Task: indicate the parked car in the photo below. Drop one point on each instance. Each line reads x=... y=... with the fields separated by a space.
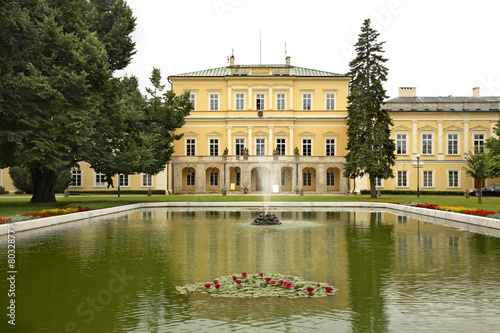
x=490 y=190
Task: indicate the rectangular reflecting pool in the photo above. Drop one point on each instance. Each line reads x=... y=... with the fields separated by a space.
x=118 y=273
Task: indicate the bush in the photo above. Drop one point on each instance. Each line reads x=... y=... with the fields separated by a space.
x=2 y=190
x=21 y=178
x=413 y=192
x=115 y=192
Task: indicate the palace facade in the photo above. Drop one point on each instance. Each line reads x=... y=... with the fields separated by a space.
x=280 y=128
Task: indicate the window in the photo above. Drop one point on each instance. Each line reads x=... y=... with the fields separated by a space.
x=260 y=146
x=330 y=178
x=192 y=99
x=453 y=178
x=306 y=147
x=240 y=101
x=283 y=177
x=190 y=147
x=240 y=146
x=100 y=179
x=214 y=102
x=401 y=144
x=190 y=177
x=123 y=180
x=237 y=174
x=147 y=180
x=281 y=146
x=478 y=142
x=214 y=178
x=452 y=144
x=306 y=178
x=214 y=147
x=427 y=178
x=260 y=102
x=402 y=178
x=306 y=101
x=330 y=147
x=76 y=177
x=378 y=182
x=330 y=101
x=280 y=101
x=426 y=144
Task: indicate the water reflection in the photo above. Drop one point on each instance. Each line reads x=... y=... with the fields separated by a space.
x=393 y=272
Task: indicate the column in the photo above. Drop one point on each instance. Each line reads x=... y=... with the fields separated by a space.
x=229 y=140
x=229 y=97
x=466 y=137
x=291 y=98
x=271 y=140
x=250 y=140
x=415 y=137
x=440 y=141
x=250 y=97
x=270 y=105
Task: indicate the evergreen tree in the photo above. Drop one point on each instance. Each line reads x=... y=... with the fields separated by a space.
x=370 y=147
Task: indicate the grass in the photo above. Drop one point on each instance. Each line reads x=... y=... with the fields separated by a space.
x=11 y=205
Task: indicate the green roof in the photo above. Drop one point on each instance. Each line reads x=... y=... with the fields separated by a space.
x=224 y=71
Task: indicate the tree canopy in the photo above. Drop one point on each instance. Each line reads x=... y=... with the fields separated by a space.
x=59 y=101
x=370 y=148
x=493 y=146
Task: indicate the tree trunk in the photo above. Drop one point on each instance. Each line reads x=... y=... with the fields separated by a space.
x=373 y=189
x=44 y=182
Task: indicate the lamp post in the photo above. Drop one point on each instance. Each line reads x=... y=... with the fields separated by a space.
x=418 y=175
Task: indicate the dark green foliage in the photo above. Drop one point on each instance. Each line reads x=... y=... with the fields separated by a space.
x=478 y=166
x=21 y=178
x=412 y=192
x=114 y=192
x=493 y=146
x=370 y=148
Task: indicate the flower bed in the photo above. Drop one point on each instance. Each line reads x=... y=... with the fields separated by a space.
x=44 y=213
x=260 y=285
x=461 y=210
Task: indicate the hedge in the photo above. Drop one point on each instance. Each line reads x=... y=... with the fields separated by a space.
x=413 y=192
x=115 y=192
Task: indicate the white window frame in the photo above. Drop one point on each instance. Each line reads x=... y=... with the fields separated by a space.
x=448 y=173
x=239 y=101
x=405 y=173
x=281 y=145
x=124 y=180
x=329 y=178
x=214 y=101
x=457 y=144
x=262 y=97
x=280 y=102
x=262 y=150
x=425 y=180
x=102 y=179
x=214 y=178
x=192 y=99
x=239 y=146
x=307 y=101
x=379 y=182
x=190 y=144
x=400 y=139
x=307 y=178
x=309 y=143
x=328 y=99
x=332 y=142
x=190 y=177
x=475 y=141
x=146 y=180
x=75 y=173
x=213 y=145
x=431 y=148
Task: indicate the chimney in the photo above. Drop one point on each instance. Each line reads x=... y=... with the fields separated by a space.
x=231 y=63
x=475 y=92
x=287 y=61
x=407 y=92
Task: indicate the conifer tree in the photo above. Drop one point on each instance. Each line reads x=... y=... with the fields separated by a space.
x=370 y=147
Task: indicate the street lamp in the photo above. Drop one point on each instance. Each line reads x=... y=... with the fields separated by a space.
x=418 y=175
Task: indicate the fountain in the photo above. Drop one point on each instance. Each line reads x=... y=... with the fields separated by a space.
x=266 y=219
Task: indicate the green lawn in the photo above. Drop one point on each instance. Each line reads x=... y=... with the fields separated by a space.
x=11 y=205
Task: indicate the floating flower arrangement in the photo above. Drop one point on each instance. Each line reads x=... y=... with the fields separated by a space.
x=260 y=285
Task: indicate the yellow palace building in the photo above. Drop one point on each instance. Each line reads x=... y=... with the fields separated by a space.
x=281 y=128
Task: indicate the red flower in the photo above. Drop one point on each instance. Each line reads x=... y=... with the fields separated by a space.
x=261 y=274
x=273 y=282
x=328 y=289
x=207 y=285
x=310 y=289
x=288 y=284
x=281 y=281
x=244 y=274
x=216 y=281
x=234 y=278
x=238 y=281
x=217 y=286
x=267 y=279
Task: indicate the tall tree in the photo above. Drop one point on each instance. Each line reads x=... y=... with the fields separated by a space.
x=369 y=144
x=55 y=73
x=493 y=146
x=478 y=166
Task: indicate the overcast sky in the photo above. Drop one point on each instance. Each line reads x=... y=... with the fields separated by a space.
x=442 y=47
